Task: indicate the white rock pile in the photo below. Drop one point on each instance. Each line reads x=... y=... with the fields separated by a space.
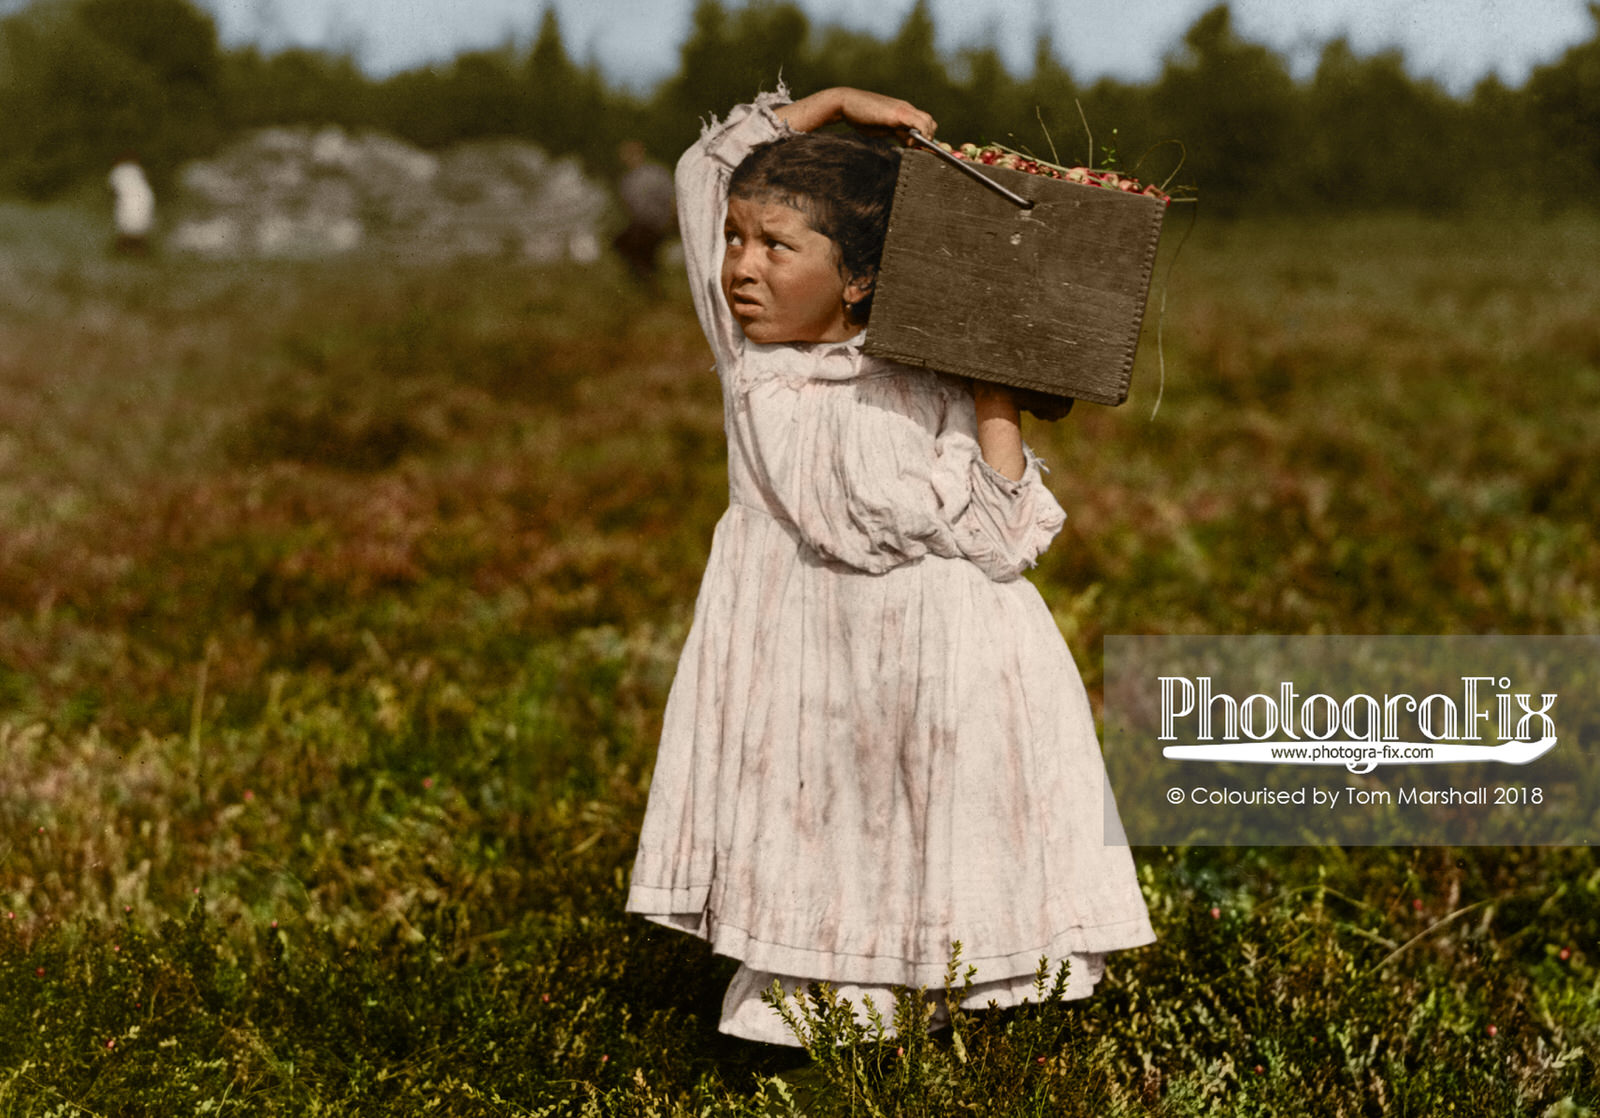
x=282 y=192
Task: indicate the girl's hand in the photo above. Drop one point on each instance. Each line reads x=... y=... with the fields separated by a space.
x=1042 y=406
x=862 y=109
x=876 y=112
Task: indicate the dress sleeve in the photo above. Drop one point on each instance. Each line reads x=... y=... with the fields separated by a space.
x=1006 y=525
x=702 y=189
x=1001 y=525
x=879 y=471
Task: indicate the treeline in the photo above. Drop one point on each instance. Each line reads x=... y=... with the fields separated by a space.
x=82 y=81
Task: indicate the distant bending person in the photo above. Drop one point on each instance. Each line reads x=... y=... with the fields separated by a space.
x=646 y=191
x=135 y=206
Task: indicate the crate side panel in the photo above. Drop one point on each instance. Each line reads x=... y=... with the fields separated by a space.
x=1049 y=298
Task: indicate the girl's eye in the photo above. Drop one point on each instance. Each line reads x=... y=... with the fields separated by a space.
x=730 y=236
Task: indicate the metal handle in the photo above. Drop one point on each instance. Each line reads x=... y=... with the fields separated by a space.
x=967 y=168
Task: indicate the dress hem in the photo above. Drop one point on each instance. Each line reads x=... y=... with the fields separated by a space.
x=746 y=1014
x=993 y=965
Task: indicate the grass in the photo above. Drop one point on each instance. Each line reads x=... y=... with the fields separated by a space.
x=338 y=605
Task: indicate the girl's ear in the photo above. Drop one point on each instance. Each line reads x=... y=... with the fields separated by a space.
x=859 y=287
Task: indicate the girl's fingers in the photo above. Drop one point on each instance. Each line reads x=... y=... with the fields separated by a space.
x=921 y=121
x=868 y=110
x=915 y=121
x=912 y=117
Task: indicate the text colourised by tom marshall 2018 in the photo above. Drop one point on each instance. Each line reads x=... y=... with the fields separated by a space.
x=1281 y=740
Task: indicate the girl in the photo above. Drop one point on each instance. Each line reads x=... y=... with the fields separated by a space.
x=877 y=742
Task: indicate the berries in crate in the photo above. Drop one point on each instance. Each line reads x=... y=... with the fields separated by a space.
x=1039 y=285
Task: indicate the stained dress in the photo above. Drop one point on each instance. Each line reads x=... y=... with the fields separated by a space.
x=877 y=742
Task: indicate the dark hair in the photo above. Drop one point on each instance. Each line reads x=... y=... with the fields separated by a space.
x=843 y=184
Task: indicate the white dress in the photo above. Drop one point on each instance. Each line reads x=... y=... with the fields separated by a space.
x=877 y=742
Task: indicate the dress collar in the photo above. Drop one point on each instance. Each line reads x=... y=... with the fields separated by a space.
x=804 y=361
x=851 y=345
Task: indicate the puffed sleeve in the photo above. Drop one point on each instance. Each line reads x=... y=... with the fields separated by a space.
x=1001 y=525
x=701 y=181
x=881 y=470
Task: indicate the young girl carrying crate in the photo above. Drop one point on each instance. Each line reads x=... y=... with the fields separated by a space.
x=877 y=743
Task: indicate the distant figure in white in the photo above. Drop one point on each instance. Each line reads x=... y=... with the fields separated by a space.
x=135 y=208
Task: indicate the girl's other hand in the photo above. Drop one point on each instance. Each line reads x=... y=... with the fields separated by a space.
x=1043 y=406
x=864 y=110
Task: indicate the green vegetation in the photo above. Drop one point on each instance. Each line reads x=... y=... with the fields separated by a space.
x=338 y=605
x=81 y=80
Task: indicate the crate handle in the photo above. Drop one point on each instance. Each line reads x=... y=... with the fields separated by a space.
x=968 y=168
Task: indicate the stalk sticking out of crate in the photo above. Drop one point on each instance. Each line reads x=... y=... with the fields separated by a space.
x=1048 y=297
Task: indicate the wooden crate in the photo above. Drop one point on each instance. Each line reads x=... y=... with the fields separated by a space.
x=1049 y=298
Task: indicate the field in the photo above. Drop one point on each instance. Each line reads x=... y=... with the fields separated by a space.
x=338 y=605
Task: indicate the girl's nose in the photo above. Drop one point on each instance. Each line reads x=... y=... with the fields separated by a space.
x=741 y=264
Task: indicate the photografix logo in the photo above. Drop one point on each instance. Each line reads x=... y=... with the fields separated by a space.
x=1360 y=731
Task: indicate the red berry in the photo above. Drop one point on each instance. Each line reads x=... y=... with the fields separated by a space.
x=1416 y=904
x=1216 y=913
x=1565 y=954
x=1492 y=1031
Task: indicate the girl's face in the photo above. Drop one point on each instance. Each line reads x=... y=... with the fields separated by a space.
x=782 y=279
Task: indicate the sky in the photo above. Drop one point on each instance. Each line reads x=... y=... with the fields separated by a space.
x=635 y=42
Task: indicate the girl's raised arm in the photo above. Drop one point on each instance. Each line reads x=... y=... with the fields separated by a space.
x=860 y=108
